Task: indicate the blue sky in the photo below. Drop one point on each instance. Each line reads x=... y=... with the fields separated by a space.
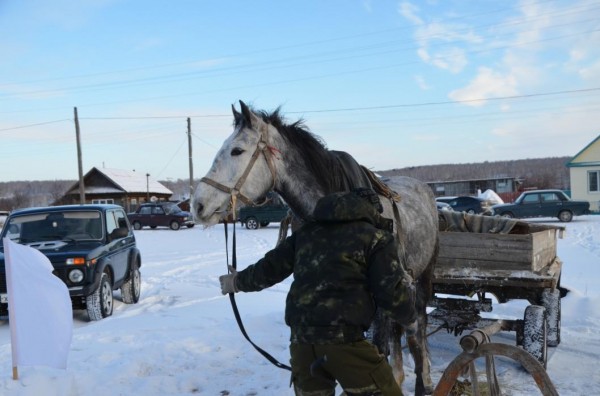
x=394 y=83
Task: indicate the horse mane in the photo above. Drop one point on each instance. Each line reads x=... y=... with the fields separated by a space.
x=312 y=149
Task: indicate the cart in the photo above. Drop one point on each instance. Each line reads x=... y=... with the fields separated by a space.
x=480 y=256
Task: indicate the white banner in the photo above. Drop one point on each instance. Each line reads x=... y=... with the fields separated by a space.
x=40 y=313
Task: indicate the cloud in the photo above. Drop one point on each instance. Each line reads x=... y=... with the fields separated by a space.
x=591 y=73
x=452 y=59
x=487 y=84
x=66 y=14
x=409 y=11
x=422 y=83
x=429 y=34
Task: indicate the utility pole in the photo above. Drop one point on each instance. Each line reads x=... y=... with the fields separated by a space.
x=147 y=187
x=189 y=131
x=80 y=166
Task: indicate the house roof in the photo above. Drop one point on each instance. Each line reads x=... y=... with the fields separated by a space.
x=574 y=161
x=133 y=182
x=123 y=181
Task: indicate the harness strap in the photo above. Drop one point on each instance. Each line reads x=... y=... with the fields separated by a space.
x=227 y=190
x=236 y=312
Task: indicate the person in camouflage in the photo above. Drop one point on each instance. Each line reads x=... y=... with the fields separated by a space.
x=345 y=265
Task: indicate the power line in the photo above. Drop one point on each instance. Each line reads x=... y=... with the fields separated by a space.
x=450 y=101
x=32 y=125
x=309 y=43
x=364 y=108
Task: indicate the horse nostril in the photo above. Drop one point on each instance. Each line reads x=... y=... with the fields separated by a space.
x=199 y=208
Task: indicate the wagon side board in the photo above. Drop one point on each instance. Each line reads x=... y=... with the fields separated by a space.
x=474 y=252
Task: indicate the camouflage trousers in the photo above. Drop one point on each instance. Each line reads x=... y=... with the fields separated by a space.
x=358 y=367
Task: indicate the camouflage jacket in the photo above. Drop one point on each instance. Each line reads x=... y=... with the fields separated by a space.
x=345 y=265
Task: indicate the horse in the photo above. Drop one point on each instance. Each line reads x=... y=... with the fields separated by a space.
x=265 y=153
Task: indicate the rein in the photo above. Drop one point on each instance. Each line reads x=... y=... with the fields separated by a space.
x=268 y=152
x=236 y=312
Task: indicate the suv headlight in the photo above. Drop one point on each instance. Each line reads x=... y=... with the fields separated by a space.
x=76 y=276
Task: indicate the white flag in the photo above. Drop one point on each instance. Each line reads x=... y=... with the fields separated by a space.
x=39 y=309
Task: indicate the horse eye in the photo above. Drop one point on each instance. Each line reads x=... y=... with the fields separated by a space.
x=236 y=151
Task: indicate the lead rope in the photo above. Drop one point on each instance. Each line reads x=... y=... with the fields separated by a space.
x=236 y=312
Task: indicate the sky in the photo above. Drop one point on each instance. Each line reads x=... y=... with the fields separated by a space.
x=181 y=338
x=394 y=83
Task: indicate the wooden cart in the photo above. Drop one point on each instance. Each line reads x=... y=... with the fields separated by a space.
x=476 y=261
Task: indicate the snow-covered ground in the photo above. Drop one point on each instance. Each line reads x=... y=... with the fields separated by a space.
x=182 y=339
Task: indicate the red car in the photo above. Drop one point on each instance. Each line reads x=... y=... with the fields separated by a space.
x=163 y=214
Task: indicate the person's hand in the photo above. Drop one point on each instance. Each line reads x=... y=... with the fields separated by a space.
x=228 y=282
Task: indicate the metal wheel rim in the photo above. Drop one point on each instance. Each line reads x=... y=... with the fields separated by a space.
x=106 y=295
x=136 y=282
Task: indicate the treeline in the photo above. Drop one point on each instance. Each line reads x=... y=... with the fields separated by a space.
x=23 y=194
x=538 y=173
x=535 y=173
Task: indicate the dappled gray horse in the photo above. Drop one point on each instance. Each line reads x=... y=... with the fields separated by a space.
x=264 y=153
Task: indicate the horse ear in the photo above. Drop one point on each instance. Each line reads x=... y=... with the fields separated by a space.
x=246 y=111
x=249 y=116
x=236 y=115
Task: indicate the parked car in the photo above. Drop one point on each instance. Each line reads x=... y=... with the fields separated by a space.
x=161 y=214
x=543 y=203
x=471 y=205
x=91 y=247
x=443 y=206
x=275 y=210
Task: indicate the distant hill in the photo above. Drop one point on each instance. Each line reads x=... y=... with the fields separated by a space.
x=540 y=173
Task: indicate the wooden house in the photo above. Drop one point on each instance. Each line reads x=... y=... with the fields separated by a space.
x=117 y=186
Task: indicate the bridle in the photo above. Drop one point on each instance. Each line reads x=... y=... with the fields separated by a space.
x=269 y=153
x=235 y=192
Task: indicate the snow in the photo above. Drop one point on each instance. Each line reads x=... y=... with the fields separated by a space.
x=490 y=195
x=182 y=338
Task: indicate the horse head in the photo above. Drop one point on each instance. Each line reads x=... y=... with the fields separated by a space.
x=243 y=169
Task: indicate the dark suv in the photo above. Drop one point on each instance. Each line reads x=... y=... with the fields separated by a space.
x=273 y=210
x=162 y=214
x=91 y=247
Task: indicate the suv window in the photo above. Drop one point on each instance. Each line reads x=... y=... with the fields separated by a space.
x=146 y=210
x=111 y=223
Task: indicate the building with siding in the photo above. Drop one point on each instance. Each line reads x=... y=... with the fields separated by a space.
x=584 y=171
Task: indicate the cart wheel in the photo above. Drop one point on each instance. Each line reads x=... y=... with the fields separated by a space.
x=535 y=333
x=551 y=301
x=457 y=368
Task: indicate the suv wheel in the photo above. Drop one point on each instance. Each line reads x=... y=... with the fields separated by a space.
x=175 y=225
x=137 y=225
x=251 y=223
x=99 y=304
x=130 y=291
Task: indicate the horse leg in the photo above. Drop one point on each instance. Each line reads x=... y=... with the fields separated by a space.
x=396 y=358
x=386 y=336
x=416 y=336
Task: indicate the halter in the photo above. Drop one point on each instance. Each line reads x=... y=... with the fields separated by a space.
x=261 y=148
